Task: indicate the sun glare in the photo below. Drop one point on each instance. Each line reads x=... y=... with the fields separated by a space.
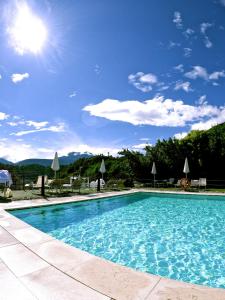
x=27 y=31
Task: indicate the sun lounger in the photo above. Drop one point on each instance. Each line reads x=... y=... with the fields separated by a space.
x=194 y=183
x=39 y=182
x=202 y=182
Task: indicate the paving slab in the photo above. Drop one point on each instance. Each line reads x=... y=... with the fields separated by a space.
x=61 y=255
x=51 y=284
x=30 y=235
x=11 y=223
x=21 y=260
x=174 y=290
x=6 y=238
x=114 y=280
x=11 y=287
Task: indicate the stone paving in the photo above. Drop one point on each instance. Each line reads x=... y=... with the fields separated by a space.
x=34 y=265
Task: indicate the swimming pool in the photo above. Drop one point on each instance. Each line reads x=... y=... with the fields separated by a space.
x=177 y=236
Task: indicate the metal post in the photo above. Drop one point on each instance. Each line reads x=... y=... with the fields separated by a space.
x=43 y=185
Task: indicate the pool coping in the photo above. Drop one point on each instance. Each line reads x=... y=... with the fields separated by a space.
x=43 y=257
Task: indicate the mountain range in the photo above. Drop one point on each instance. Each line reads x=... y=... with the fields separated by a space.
x=63 y=160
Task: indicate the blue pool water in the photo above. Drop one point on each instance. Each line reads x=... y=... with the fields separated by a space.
x=176 y=236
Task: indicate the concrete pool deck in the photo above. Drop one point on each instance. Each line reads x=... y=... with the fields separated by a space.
x=33 y=265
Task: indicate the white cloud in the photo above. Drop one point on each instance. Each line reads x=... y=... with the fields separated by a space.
x=216 y=75
x=222 y=2
x=173 y=44
x=163 y=88
x=36 y=125
x=54 y=128
x=188 y=32
x=187 y=52
x=97 y=69
x=13 y=124
x=202 y=100
x=142 y=81
x=144 y=139
x=29 y=123
x=210 y=122
x=16 y=150
x=200 y=72
x=208 y=43
x=185 y=86
x=179 y=68
x=140 y=146
x=196 y=72
x=181 y=135
x=3 y=116
x=156 y=112
x=177 y=19
x=73 y=94
x=0 y=76
x=203 y=28
x=19 y=77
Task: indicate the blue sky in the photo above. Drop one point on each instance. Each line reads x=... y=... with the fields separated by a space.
x=100 y=75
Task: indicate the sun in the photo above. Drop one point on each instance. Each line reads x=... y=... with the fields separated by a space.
x=27 y=32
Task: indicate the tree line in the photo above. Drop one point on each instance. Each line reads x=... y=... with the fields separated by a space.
x=205 y=150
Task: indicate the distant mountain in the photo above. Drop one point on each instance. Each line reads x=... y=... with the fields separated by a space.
x=63 y=160
x=5 y=161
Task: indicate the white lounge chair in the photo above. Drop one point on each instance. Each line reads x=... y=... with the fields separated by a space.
x=39 y=182
x=178 y=183
x=195 y=183
x=202 y=182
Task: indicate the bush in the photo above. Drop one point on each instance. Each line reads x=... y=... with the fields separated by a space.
x=128 y=182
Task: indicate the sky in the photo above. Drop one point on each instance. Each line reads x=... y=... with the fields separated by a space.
x=100 y=76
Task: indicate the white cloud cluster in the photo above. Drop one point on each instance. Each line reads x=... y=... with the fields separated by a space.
x=203 y=28
x=222 y=2
x=156 y=112
x=200 y=72
x=177 y=19
x=185 y=86
x=142 y=81
x=17 y=77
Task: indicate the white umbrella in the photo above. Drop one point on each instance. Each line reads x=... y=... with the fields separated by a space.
x=186 y=167
x=55 y=164
x=153 y=171
x=102 y=168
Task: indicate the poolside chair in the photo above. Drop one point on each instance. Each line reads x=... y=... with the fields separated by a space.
x=39 y=182
x=194 y=183
x=170 y=182
x=178 y=183
x=202 y=182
